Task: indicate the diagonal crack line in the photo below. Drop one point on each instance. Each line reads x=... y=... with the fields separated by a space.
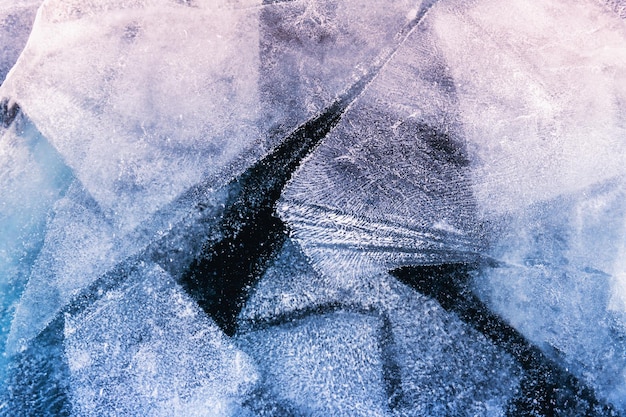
x=547 y=388
x=248 y=216
x=385 y=56
x=220 y=278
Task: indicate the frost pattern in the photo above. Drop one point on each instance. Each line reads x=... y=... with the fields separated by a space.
x=146 y=349
x=153 y=261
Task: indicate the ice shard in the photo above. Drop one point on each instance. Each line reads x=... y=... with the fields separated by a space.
x=129 y=101
x=541 y=98
x=428 y=357
x=391 y=184
x=32 y=178
x=559 y=284
x=322 y=365
x=483 y=116
x=142 y=111
x=144 y=348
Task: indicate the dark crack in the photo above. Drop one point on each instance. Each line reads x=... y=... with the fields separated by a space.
x=8 y=112
x=546 y=388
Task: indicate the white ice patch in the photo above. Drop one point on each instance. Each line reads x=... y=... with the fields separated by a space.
x=541 y=89
x=143 y=99
x=152 y=351
x=328 y=365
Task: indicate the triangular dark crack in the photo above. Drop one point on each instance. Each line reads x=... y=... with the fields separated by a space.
x=220 y=278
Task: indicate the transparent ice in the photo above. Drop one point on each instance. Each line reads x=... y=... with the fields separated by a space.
x=471 y=137
x=16 y=20
x=33 y=177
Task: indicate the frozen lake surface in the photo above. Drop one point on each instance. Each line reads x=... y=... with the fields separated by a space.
x=312 y=208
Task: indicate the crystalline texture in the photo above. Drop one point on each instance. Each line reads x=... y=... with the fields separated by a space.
x=141 y=108
x=542 y=105
x=146 y=349
x=468 y=135
x=541 y=101
x=16 y=19
x=390 y=185
x=152 y=119
x=32 y=178
x=323 y=365
x=482 y=114
x=428 y=357
x=561 y=282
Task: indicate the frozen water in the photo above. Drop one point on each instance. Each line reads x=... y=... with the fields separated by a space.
x=145 y=348
x=327 y=365
x=142 y=111
x=560 y=283
x=391 y=184
x=32 y=178
x=434 y=364
x=16 y=19
x=139 y=109
x=542 y=105
x=510 y=108
x=473 y=134
x=37 y=379
x=141 y=155
x=80 y=246
x=619 y=6
x=541 y=101
x=311 y=51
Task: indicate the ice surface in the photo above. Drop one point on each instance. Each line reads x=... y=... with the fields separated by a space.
x=311 y=51
x=560 y=283
x=81 y=246
x=16 y=19
x=541 y=100
x=142 y=110
x=140 y=155
x=78 y=247
x=619 y=6
x=542 y=105
x=491 y=112
x=145 y=348
x=37 y=379
x=391 y=184
x=327 y=365
x=435 y=364
x=483 y=133
x=32 y=178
